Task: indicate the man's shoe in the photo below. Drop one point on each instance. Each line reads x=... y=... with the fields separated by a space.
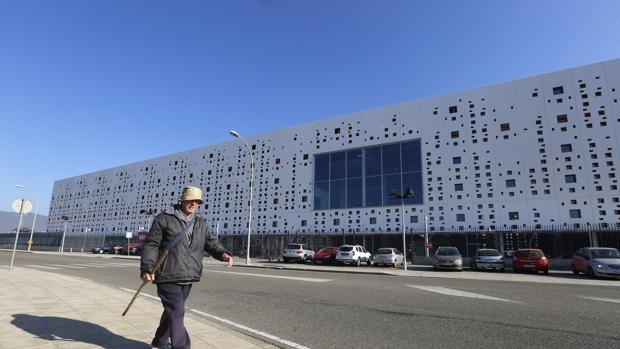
x=165 y=346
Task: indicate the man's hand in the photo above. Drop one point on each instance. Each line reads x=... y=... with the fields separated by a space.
x=146 y=277
x=228 y=258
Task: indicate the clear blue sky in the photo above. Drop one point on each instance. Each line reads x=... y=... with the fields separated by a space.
x=88 y=85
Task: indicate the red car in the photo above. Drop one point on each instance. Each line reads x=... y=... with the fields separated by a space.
x=134 y=248
x=326 y=255
x=530 y=259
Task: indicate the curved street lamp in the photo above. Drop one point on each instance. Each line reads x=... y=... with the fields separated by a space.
x=36 y=209
x=237 y=135
x=407 y=194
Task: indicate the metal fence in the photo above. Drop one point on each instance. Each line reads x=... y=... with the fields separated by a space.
x=556 y=243
x=52 y=241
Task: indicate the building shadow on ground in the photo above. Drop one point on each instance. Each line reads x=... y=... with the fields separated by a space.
x=58 y=329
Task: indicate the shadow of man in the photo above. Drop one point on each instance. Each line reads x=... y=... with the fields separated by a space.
x=60 y=329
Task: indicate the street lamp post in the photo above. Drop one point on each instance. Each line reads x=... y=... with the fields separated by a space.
x=407 y=194
x=19 y=226
x=425 y=236
x=34 y=220
x=236 y=135
x=64 y=231
x=84 y=241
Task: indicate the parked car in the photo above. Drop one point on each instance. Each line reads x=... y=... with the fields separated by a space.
x=487 y=258
x=98 y=249
x=326 y=255
x=107 y=248
x=115 y=249
x=597 y=262
x=133 y=247
x=353 y=254
x=530 y=259
x=388 y=256
x=297 y=252
x=447 y=258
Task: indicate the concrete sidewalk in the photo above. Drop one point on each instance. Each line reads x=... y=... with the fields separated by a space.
x=47 y=310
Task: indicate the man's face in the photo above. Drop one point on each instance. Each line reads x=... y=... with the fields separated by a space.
x=190 y=206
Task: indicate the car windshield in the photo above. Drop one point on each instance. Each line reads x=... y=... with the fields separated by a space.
x=447 y=252
x=326 y=250
x=488 y=253
x=605 y=253
x=293 y=247
x=384 y=251
x=345 y=248
x=528 y=253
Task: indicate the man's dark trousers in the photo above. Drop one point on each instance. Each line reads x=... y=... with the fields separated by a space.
x=171 y=325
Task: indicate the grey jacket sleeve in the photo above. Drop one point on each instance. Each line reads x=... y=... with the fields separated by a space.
x=150 y=248
x=214 y=247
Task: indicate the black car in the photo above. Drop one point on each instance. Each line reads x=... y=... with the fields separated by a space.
x=107 y=248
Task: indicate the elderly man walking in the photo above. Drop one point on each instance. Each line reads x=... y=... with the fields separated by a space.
x=182 y=267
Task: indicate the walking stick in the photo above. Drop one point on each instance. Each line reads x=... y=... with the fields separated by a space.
x=160 y=260
x=157 y=265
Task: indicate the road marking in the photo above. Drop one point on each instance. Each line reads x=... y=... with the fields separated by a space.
x=272 y=276
x=233 y=324
x=251 y=330
x=611 y=300
x=142 y=294
x=124 y=264
x=90 y=265
x=457 y=293
x=66 y=266
x=41 y=267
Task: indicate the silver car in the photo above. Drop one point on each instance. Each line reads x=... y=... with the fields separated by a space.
x=388 y=256
x=447 y=258
x=597 y=262
x=487 y=258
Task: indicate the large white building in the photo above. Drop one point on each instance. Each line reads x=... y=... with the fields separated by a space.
x=535 y=151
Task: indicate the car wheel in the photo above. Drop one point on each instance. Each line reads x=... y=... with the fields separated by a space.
x=368 y=262
x=546 y=271
x=434 y=268
x=575 y=272
x=515 y=270
x=358 y=262
x=502 y=270
x=591 y=273
x=376 y=265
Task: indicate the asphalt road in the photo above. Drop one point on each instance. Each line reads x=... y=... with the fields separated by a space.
x=335 y=310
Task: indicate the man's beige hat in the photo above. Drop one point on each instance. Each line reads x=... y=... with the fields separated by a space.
x=191 y=193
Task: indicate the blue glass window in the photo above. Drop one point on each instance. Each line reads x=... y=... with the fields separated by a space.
x=337 y=190
x=391 y=184
x=355 y=193
x=364 y=177
x=391 y=158
x=411 y=156
x=373 y=191
x=337 y=165
x=373 y=161
x=413 y=181
x=354 y=163
x=321 y=195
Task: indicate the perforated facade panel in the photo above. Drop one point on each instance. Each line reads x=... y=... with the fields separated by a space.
x=541 y=150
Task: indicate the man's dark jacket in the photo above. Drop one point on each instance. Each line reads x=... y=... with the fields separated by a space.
x=184 y=263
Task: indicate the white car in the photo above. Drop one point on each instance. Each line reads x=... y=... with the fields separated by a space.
x=388 y=256
x=353 y=254
x=298 y=253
